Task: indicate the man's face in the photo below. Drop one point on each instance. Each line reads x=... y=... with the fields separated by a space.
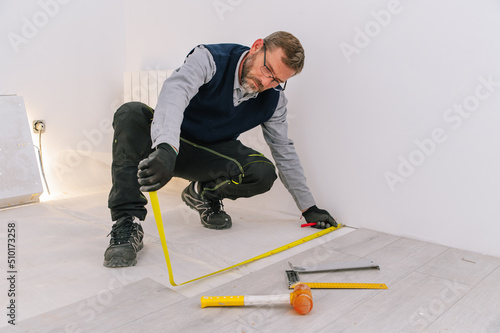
x=252 y=78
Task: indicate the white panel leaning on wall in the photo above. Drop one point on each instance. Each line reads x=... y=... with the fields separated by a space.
x=20 y=180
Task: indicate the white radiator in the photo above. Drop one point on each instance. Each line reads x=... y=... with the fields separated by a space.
x=144 y=86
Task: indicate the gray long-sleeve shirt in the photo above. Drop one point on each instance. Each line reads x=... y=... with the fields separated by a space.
x=178 y=90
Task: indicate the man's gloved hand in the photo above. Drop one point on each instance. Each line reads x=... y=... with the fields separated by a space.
x=157 y=170
x=322 y=218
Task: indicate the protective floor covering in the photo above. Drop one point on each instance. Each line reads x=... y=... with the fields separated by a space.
x=60 y=246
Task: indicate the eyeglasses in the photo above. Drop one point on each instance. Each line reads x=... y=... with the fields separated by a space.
x=278 y=86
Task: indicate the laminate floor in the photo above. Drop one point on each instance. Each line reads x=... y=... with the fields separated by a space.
x=63 y=287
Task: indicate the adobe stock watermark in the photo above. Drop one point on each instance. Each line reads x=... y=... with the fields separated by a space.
x=371 y=30
x=84 y=148
x=257 y=320
x=425 y=315
x=31 y=26
x=89 y=309
x=223 y=6
x=454 y=117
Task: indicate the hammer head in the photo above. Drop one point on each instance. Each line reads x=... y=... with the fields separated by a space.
x=301 y=299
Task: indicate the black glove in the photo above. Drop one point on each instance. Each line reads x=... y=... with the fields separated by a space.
x=156 y=170
x=322 y=218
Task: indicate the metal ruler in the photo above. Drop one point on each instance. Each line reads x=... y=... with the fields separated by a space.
x=293 y=279
x=339 y=285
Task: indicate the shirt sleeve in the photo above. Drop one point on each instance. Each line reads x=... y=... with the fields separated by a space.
x=176 y=93
x=290 y=170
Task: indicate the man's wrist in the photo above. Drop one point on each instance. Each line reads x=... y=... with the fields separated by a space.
x=167 y=147
x=310 y=208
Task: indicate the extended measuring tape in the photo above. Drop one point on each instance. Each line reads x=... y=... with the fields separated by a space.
x=159 y=223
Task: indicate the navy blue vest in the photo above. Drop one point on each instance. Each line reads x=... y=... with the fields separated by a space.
x=211 y=115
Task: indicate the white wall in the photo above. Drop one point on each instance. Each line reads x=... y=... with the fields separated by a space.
x=66 y=58
x=353 y=118
x=355 y=114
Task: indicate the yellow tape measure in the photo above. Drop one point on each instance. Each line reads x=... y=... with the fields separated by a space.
x=159 y=223
x=337 y=285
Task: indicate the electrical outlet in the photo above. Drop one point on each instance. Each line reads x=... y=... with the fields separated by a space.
x=38 y=126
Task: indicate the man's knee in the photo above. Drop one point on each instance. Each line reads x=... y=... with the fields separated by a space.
x=132 y=114
x=264 y=175
x=132 y=138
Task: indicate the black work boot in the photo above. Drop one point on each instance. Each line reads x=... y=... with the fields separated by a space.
x=125 y=242
x=211 y=211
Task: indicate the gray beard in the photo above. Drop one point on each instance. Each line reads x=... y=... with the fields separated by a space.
x=245 y=80
x=248 y=88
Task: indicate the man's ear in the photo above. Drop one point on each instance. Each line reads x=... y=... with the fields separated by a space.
x=257 y=45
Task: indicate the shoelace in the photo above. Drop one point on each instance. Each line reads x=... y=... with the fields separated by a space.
x=121 y=232
x=216 y=207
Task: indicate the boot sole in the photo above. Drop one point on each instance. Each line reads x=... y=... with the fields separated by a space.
x=216 y=227
x=119 y=262
x=116 y=262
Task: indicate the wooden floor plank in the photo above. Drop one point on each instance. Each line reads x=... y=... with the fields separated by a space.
x=242 y=327
x=362 y=242
x=403 y=256
x=400 y=308
x=462 y=266
x=478 y=311
x=105 y=311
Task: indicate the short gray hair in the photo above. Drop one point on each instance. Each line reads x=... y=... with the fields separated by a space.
x=294 y=52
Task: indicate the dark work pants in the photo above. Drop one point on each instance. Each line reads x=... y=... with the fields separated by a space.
x=226 y=169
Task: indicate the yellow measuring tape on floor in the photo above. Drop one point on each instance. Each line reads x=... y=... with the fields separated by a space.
x=159 y=223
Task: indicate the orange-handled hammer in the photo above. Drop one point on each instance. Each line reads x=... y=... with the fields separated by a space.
x=300 y=298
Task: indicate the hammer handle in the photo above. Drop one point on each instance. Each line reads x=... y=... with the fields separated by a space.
x=222 y=301
x=244 y=300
